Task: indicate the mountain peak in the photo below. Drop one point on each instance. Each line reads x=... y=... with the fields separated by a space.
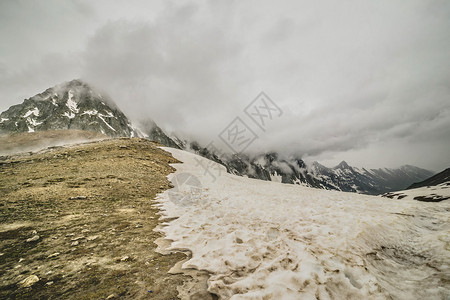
x=342 y=165
x=76 y=82
x=70 y=105
x=271 y=156
x=317 y=164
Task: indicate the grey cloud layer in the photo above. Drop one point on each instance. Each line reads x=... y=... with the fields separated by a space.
x=365 y=81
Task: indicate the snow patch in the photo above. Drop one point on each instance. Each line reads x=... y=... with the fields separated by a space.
x=90 y=112
x=276 y=177
x=136 y=131
x=70 y=115
x=34 y=112
x=72 y=105
x=355 y=188
x=110 y=115
x=33 y=122
x=3 y=120
x=101 y=117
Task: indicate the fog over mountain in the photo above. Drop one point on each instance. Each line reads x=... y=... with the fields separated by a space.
x=367 y=82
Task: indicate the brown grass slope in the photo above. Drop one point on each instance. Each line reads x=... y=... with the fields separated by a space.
x=91 y=207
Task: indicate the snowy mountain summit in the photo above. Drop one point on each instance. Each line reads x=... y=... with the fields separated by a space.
x=70 y=105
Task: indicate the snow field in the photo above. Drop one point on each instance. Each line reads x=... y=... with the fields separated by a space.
x=267 y=240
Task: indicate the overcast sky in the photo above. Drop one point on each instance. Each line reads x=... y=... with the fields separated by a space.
x=363 y=81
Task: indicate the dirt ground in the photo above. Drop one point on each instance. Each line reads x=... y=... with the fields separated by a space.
x=77 y=223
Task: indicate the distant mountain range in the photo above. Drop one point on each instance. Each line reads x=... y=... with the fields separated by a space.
x=271 y=166
x=76 y=105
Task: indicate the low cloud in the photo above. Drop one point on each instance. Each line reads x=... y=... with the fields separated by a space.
x=363 y=81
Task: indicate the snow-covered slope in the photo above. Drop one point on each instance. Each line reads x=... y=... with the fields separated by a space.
x=267 y=240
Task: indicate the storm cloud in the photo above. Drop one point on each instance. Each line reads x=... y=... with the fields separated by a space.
x=364 y=81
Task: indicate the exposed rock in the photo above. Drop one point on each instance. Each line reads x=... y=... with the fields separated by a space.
x=33 y=239
x=155 y=133
x=29 y=281
x=78 y=198
x=431 y=198
x=53 y=255
x=92 y=238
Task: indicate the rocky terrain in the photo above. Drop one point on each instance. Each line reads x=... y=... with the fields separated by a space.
x=78 y=223
x=151 y=131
